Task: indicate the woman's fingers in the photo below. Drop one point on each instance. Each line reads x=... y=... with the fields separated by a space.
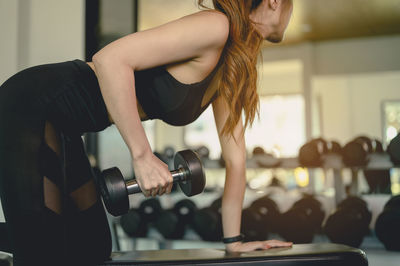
x=277 y=243
x=169 y=188
x=257 y=245
x=153 y=176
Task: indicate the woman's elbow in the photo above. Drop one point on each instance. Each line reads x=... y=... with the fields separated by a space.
x=100 y=58
x=110 y=61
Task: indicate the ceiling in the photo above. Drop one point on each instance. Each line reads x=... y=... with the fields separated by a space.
x=312 y=20
x=318 y=20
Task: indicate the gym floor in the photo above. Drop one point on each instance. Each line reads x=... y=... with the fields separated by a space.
x=377 y=254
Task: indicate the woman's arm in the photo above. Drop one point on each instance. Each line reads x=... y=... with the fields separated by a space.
x=183 y=40
x=234 y=154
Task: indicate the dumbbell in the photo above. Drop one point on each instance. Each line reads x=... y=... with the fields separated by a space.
x=387 y=227
x=169 y=153
x=355 y=153
x=302 y=220
x=133 y=225
x=207 y=222
x=394 y=150
x=260 y=219
x=349 y=223
x=264 y=159
x=378 y=181
x=136 y=222
x=311 y=153
x=203 y=152
x=172 y=223
x=189 y=174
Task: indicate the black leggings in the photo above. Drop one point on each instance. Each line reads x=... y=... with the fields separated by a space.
x=53 y=211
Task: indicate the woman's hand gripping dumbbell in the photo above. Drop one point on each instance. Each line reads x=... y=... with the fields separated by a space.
x=188 y=173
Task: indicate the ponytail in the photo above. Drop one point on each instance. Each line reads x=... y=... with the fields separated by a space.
x=238 y=85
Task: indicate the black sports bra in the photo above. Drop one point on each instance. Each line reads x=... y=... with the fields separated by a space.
x=163 y=97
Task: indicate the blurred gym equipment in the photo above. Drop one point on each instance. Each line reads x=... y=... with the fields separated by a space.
x=260 y=219
x=349 y=223
x=394 y=150
x=302 y=220
x=264 y=159
x=387 y=226
x=172 y=223
x=207 y=222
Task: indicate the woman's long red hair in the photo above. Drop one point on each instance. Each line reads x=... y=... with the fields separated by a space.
x=238 y=85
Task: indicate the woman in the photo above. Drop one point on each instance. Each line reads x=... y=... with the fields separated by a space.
x=172 y=72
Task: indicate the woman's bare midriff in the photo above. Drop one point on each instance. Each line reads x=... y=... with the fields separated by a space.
x=142 y=114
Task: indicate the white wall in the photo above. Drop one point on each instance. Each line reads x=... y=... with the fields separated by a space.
x=372 y=54
x=8 y=43
x=57 y=31
x=352 y=78
x=361 y=69
x=38 y=32
x=351 y=104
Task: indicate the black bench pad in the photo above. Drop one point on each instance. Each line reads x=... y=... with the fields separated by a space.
x=323 y=254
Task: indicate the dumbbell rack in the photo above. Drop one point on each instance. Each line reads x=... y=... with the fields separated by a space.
x=377 y=161
x=332 y=162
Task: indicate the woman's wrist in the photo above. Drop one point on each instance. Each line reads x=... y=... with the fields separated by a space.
x=232 y=247
x=234 y=239
x=138 y=154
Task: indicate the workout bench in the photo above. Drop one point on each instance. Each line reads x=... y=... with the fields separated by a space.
x=324 y=254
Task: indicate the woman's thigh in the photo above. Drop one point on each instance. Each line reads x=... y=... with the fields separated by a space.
x=51 y=204
x=89 y=236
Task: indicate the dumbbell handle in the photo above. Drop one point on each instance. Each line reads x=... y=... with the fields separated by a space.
x=178 y=175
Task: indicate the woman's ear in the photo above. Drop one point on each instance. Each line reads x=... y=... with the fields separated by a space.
x=273 y=4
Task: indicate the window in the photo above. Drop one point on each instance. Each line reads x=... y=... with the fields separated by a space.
x=280 y=129
x=391 y=120
x=203 y=132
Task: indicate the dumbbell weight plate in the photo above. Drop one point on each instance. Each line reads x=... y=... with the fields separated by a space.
x=387 y=225
x=113 y=191
x=196 y=180
x=349 y=223
x=313 y=209
x=394 y=150
x=150 y=209
x=295 y=226
x=269 y=211
x=133 y=225
x=355 y=153
x=334 y=147
x=253 y=225
x=207 y=223
x=185 y=210
x=310 y=153
x=167 y=223
x=387 y=229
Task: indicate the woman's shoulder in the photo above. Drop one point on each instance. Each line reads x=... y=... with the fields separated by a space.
x=213 y=16
x=214 y=23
